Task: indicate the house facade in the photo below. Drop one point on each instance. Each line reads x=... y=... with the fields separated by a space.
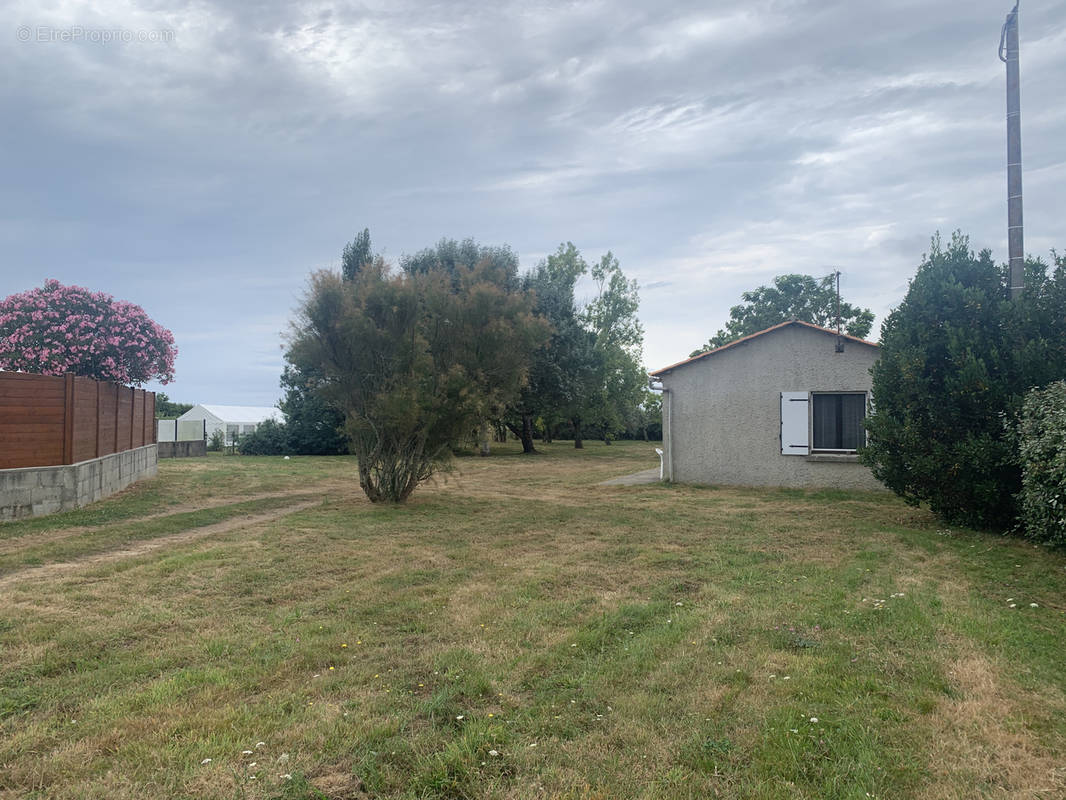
x=782 y=407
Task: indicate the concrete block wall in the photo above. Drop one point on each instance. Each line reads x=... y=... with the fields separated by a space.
x=183 y=449
x=33 y=491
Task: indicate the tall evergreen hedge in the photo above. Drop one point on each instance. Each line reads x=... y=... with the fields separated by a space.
x=957 y=357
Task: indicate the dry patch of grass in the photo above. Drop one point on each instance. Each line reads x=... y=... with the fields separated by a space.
x=982 y=745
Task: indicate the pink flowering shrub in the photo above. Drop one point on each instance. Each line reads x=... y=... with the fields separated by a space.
x=61 y=329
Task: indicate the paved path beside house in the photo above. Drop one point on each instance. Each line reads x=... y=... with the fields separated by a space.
x=636 y=479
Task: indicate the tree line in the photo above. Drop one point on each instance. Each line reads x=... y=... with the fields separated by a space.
x=401 y=365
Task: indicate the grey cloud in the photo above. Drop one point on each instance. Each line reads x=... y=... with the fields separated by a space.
x=710 y=146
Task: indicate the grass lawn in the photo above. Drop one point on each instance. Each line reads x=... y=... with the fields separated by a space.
x=253 y=628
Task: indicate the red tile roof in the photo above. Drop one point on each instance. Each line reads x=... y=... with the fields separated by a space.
x=717 y=350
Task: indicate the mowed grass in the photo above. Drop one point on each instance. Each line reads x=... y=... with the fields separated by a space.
x=517 y=630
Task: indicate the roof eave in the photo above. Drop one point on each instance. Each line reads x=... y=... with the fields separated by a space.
x=659 y=373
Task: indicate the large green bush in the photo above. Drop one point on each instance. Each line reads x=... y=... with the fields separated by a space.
x=957 y=357
x=270 y=438
x=1042 y=450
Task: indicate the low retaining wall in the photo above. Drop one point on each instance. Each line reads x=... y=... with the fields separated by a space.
x=182 y=449
x=33 y=491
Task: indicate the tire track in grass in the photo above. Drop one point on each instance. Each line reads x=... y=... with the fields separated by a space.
x=59 y=568
x=12 y=544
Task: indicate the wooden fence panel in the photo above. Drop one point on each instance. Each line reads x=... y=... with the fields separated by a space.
x=106 y=423
x=49 y=420
x=85 y=432
x=123 y=417
x=32 y=415
x=137 y=423
x=150 y=432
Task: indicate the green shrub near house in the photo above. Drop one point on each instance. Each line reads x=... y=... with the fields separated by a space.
x=1042 y=450
x=957 y=358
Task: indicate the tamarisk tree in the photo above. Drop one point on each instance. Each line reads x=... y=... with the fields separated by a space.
x=414 y=359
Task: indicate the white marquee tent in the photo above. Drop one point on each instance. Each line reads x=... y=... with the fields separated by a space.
x=233 y=421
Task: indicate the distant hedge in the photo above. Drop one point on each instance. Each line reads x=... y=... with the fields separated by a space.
x=268 y=439
x=1042 y=447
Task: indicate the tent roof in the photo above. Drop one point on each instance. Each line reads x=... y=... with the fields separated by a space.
x=237 y=415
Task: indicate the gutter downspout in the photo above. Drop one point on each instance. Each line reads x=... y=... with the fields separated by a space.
x=668 y=435
x=666 y=466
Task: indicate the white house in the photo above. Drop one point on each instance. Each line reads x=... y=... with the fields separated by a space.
x=233 y=421
x=782 y=407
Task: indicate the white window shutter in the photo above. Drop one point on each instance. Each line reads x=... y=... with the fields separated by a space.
x=794 y=428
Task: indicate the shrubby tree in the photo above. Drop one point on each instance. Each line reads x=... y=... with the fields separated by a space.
x=1042 y=454
x=588 y=374
x=313 y=426
x=165 y=408
x=645 y=420
x=57 y=330
x=956 y=359
x=498 y=263
x=356 y=255
x=612 y=317
x=415 y=360
x=556 y=369
x=270 y=438
x=790 y=297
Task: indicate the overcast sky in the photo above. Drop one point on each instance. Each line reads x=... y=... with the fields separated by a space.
x=204 y=167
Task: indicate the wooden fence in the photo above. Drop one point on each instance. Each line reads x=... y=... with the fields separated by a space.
x=47 y=421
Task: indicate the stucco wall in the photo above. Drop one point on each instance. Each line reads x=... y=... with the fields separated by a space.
x=32 y=491
x=722 y=413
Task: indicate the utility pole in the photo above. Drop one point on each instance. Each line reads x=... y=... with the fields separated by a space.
x=1008 y=54
x=840 y=331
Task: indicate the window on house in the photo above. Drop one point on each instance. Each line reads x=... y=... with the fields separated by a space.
x=232 y=433
x=836 y=421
